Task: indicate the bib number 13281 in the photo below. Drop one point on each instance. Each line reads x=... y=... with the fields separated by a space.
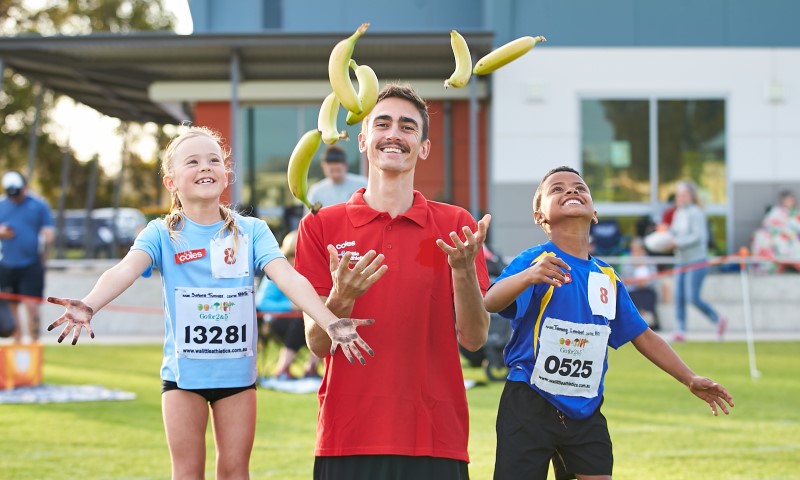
x=215 y=335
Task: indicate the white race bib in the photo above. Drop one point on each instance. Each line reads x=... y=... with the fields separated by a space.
x=570 y=358
x=214 y=323
x=226 y=264
x=602 y=296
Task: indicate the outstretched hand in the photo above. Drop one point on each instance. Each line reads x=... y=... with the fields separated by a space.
x=463 y=252
x=350 y=283
x=77 y=315
x=711 y=392
x=343 y=334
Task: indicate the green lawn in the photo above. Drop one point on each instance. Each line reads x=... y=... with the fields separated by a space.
x=659 y=430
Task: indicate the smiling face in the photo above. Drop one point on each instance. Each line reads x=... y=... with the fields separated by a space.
x=563 y=195
x=393 y=136
x=196 y=170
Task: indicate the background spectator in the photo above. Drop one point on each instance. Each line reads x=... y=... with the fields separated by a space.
x=778 y=237
x=338 y=184
x=689 y=229
x=639 y=276
x=26 y=234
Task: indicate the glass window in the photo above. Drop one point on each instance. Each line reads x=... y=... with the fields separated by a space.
x=615 y=149
x=691 y=145
x=632 y=166
x=270 y=134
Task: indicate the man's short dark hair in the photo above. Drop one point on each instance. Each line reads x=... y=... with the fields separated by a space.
x=334 y=154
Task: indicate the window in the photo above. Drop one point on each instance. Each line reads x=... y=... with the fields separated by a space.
x=634 y=151
x=270 y=135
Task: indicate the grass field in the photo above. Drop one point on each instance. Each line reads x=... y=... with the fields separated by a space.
x=660 y=431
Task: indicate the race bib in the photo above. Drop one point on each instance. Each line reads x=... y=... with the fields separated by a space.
x=214 y=323
x=602 y=296
x=227 y=263
x=570 y=359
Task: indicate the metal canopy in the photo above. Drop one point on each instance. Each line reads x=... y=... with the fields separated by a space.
x=112 y=72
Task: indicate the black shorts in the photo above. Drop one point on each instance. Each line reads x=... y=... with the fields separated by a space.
x=389 y=467
x=210 y=394
x=27 y=281
x=290 y=330
x=531 y=432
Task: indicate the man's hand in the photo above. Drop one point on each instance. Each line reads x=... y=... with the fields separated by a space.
x=77 y=315
x=462 y=254
x=343 y=334
x=351 y=283
x=6 y=232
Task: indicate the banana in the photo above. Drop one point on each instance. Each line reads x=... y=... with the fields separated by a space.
x=463 y=70
x=368 y=87
x=339 y=70
x=299 y=163
x=326 y=121
x=505 y=54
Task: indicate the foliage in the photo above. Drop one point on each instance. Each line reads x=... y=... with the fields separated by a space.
x=19 y=96
x=659 y=430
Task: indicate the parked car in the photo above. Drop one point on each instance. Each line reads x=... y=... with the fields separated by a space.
x=72 y=234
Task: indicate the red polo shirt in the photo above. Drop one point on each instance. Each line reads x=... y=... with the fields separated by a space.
x=409 y=399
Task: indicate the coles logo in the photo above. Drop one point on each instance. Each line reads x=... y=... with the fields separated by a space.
x=190 y=255
x=345 y=244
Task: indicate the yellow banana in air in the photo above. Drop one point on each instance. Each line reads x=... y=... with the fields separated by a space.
x=326 y=121
x=368 y=87
x=339 y=70
x=299 y=163
x=505 y=54
x=463 y=70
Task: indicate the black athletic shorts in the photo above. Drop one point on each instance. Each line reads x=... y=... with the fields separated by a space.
x=389 y=467
x=27 y=281
x=531 y=433
x=210 y=394
x=290 y=330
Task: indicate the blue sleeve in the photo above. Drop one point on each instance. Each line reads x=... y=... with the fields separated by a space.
x=628 y=323
x=47 y=215
x=149 y=241
x=265 y=246
x=518 y=264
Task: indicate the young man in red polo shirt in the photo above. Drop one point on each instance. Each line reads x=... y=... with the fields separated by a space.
x=417 y=268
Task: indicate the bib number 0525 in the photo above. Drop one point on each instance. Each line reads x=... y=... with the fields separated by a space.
x=215 y=335
x=568 y=367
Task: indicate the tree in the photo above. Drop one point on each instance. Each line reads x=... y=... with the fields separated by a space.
x=18 y=97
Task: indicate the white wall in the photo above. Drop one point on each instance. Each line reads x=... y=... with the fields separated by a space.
x=536 y=103
x=536 y=111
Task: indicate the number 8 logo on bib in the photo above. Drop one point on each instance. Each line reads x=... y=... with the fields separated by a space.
x=601 y=299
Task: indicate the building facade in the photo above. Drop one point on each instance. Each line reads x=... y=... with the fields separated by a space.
x=635 y=95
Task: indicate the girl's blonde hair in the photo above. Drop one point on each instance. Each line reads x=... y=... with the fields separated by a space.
x=175 y=218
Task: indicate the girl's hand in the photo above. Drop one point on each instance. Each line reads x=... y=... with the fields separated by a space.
x=343 y=333
x=77 y=315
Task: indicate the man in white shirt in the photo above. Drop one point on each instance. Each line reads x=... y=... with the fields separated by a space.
x=338 y=184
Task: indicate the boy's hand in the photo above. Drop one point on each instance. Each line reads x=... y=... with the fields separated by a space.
x=712 y=393
x=77 y=315
x=462 y=254
x=550 y=270
x=343 y=333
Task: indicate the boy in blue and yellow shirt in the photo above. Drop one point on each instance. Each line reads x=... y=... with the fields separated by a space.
x=566 y=307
